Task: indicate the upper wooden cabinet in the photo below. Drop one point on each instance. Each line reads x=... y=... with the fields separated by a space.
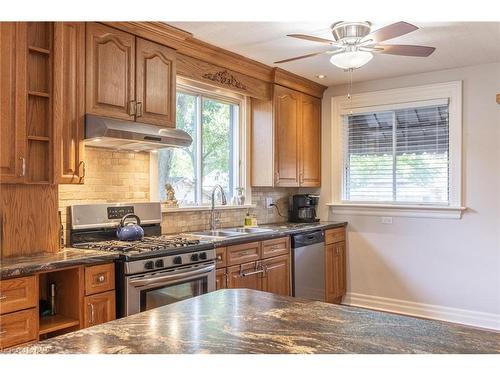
x=110 y=72
x=129 y=78
x=286 y=139
x=69 y=102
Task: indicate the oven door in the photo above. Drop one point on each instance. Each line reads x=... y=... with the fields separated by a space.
x=150 y=290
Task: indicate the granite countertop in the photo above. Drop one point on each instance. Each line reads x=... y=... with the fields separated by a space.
x=21 y=266
x=248 y=321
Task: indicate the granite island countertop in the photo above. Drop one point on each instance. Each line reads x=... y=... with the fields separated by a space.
x=248 y=321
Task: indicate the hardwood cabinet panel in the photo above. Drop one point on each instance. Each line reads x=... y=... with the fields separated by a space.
x=110 y=64
x=334 y=235
x=69 y=102
x=99 y=308
x=18 y=327
x=155 y=78
x=18 y=294
x=287 y=121
x=310 y=142
x=335 y=272
x=220 y=257
x=12 y=101
x=100 y=278
x=247 y=252
x=221 y=279
x=262 y=145
x=276 y=246
x=248 y=275
x=277 y=275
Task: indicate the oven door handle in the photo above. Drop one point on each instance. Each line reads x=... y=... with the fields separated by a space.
x=176 y=276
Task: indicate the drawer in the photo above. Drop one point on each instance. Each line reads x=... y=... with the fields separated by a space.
x=274 y=247
x=99 y=278
x=334 y=235
x=18 y=294
x=18 y=327
x=243 y=253
x=220 y=256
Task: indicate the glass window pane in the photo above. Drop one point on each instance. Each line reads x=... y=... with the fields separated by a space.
x=177 y=166
x=217 y=148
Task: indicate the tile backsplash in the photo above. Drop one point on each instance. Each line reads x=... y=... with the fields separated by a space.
x=114 y=176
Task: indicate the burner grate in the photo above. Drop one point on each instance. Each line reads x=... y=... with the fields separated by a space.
x=148 y=244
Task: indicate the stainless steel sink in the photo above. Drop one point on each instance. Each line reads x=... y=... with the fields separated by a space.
x=250 y=230
x=217 y=233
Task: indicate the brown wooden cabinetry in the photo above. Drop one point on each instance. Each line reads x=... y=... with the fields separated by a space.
x=277 y=275
x=310 y=142
x=129 y=78
x=99 y=308
x=335 y=265
x=18 y=294
x=247 y=275
x=18 y=327
x=221 y=278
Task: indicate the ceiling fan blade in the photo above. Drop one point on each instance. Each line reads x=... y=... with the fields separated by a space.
x=391 y=31
x=312 y=38
x=405 y=50
x=300 y=57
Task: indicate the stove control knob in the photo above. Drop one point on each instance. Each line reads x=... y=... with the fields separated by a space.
x=203 y=256
x=149 y=265
x=194 y=257
x=177 y=260
x=159 y=263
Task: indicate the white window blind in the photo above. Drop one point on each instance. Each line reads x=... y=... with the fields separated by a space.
x=397 y=156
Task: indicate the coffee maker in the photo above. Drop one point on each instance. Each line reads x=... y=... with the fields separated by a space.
x=303 y=208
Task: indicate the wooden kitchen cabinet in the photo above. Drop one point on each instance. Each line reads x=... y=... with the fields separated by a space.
x=18 y=294
x=292 y=120
x=99 y=308
x=18 y=327
x=247 y=275
x=221 y=278
x=69 y=102
x=246 y=252
x=335 y=272
x=277 y=275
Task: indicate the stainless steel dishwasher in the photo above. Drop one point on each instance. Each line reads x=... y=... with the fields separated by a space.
x=308 y=265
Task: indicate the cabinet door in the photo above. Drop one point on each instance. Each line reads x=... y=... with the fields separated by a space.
x=246 y=275
x=110 y=72
x=155 y=78
x=18 y=327
x=310 y=142
x=286 y=119
x=221 y=279
x=335 y=275
x=13 y=101
x=99 y=308
x=277 y=275
x=69 y=101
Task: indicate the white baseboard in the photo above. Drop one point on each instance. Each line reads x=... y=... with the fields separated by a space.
x=450 y=314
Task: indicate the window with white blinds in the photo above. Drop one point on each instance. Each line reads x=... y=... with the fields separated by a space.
x=397 y=155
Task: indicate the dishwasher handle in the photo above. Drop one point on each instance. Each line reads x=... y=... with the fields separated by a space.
x=306 y=239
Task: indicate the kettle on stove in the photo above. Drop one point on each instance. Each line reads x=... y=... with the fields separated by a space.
x=130 y=231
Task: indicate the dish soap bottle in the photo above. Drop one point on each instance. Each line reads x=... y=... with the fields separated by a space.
x=248 y=220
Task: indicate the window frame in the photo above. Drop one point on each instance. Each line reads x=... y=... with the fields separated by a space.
x=240 y=165
x=394 y=99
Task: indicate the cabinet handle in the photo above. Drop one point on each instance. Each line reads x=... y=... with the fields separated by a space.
x=101 y=278
x=131 y=108
x=219 y=257
x=91 y=313
x=227 y=279
x=2 y=297
x=23 y=166
x=244 y=274
x=82 y=163
x=244 y=253
x=139 y=109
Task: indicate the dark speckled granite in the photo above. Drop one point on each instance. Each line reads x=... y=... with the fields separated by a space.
x=247 y=321
x=20 y=266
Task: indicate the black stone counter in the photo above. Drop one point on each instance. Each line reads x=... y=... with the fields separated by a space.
x=247 y=321
x=21 y=266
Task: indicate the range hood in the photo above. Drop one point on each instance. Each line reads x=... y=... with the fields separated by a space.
x=132 y=136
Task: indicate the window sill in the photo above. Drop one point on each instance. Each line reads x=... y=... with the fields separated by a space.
x=205 y=208
x=437 y=212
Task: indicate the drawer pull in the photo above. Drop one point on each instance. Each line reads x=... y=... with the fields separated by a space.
x=244 y=253
x=101 y=279
x=244 y=274
x=219 y=257
x=91 y=313
x=275 y=247
x=3 y=298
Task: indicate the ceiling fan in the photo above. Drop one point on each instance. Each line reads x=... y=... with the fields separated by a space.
x=354 y=45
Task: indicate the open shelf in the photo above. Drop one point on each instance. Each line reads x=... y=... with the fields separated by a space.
x=55 y=323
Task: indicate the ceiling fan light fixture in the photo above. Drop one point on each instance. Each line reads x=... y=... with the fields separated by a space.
x=351 y=59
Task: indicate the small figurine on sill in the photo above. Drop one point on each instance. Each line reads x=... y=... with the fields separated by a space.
x=171 y=202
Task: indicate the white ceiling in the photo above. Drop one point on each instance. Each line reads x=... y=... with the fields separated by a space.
x=457 y=44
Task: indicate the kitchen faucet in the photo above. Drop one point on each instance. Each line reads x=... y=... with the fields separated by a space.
x=212 y=211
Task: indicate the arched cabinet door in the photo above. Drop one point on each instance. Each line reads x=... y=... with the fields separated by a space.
x=155 y=79
x=110 y=72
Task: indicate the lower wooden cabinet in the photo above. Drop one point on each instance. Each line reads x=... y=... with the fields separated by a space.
x=99 y=308
x=247 y=275
x=277 y=275
x=18 y=327
x=335 y=272
x=18 y=294
x=220 y=279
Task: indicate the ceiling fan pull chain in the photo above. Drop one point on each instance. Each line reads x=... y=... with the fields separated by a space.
x=349 y=89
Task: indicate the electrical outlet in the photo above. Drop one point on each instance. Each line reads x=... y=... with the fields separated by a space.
x=269 y=202
x=386 y=220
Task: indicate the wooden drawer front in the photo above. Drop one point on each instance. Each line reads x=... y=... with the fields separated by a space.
x=18 y=294
x=221 y=258
x=18 y=327
x=334 y=235
x=243 y=253
x=275 y=247
x=99 y=278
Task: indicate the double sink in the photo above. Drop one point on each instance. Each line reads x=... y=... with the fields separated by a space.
x=232 y=232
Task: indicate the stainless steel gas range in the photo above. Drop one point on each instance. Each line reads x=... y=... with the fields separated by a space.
x=152 y=272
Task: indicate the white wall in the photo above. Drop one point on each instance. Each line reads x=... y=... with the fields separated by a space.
x=440 y=268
